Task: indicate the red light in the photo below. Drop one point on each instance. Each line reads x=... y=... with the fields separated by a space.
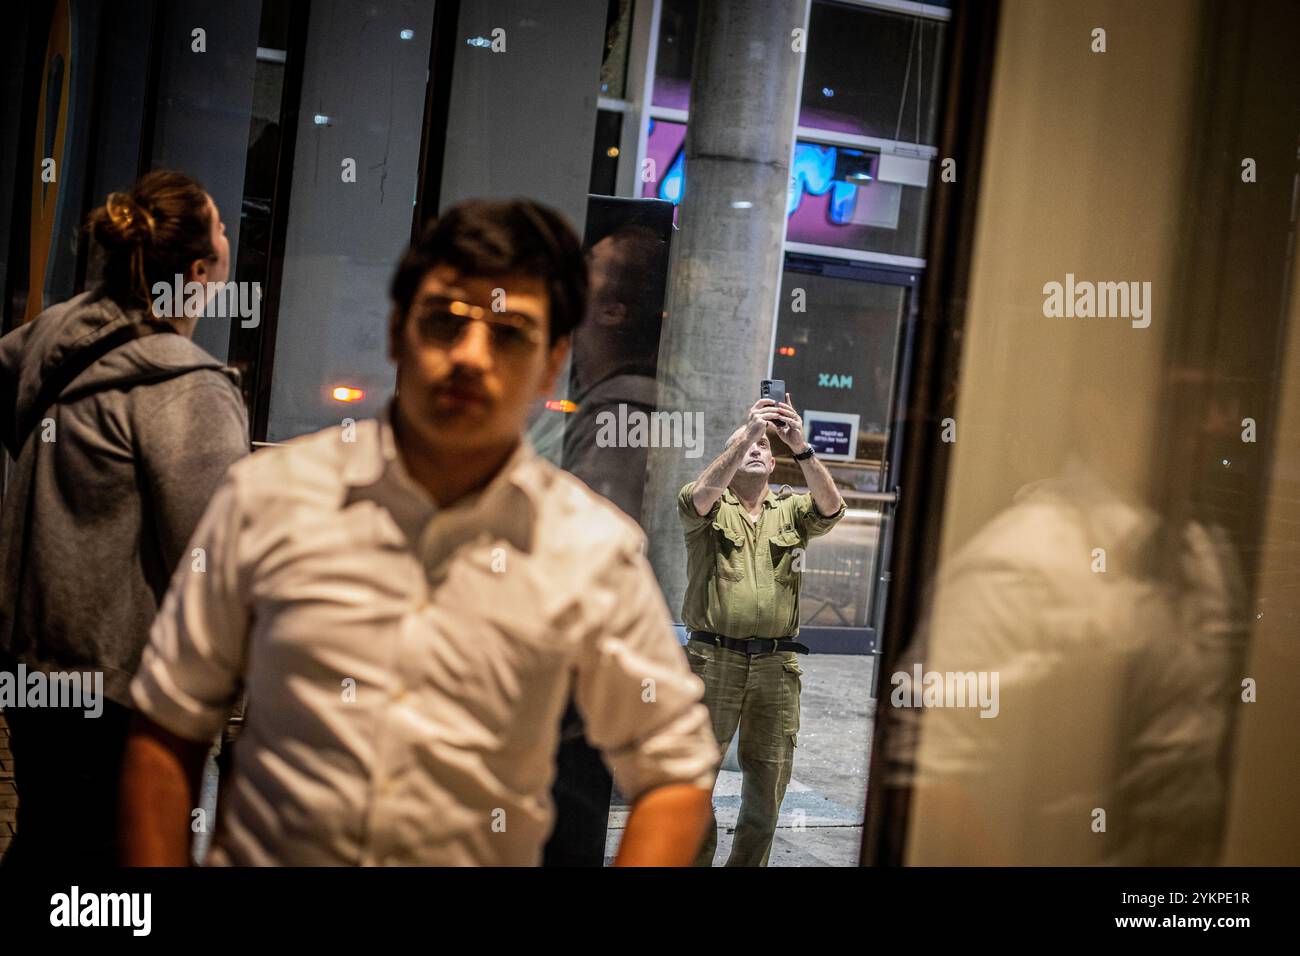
x=785 y=350
x=343 y=393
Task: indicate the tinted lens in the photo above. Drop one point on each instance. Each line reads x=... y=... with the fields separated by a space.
x=440 y=326
x=511 y=338
x=443 y=325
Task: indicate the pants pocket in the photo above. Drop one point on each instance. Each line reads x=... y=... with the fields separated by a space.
x=792 y=676
x=698 y=656
x=700 y=660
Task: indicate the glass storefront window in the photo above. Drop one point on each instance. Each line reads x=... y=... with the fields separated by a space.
x=605 y=152
x=344 y=236
x=663 y=148
x=868 y=72
x=840 y=196
x=859 y=199
x=202 y=119
x=263 y=150
x=836 y=344
x=672 y=86
x=872 y=72
x=836 y=348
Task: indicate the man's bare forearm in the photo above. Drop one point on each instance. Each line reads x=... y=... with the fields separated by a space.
x=160 y=782
x=822 y=486
x=666 y=827
x=713 y=481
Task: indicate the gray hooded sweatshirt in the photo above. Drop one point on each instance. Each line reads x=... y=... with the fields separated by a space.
x=101 y=503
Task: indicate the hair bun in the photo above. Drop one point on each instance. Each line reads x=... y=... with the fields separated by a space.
x=122 y=222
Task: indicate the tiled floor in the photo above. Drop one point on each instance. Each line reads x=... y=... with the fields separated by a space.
x=820 y=823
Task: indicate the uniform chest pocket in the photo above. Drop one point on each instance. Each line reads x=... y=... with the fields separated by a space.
x=787 y=555
x=729 y=550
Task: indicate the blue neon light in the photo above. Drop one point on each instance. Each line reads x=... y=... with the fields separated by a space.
x=812 y=171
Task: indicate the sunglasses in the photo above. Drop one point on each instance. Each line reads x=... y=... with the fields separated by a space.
x=442 y=321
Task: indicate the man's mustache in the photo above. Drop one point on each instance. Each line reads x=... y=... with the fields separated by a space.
x=458 y=382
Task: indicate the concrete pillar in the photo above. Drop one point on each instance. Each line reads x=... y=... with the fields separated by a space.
x=717 y=334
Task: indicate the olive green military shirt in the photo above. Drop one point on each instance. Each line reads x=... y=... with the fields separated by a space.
x=742 y=576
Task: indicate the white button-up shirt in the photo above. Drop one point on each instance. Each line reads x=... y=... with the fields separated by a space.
x=407 y=667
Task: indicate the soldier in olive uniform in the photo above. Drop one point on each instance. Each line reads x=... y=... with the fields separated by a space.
x=744 y=555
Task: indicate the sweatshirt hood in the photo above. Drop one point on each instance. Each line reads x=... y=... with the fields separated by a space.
x=30 y=354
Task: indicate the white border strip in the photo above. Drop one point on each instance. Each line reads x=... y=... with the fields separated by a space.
x=928 y=10
x=855 y=255
x=670 y=113
x=639 y=92
x=892 y=146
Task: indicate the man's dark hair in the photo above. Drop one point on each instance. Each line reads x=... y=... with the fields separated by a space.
x=501 y=237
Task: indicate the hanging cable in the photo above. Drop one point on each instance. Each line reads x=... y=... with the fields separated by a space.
x=907 y=82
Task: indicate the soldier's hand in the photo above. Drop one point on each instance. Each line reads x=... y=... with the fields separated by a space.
x=790 y=426
x=762 y=413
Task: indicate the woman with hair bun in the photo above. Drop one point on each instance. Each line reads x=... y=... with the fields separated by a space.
x=120 y=428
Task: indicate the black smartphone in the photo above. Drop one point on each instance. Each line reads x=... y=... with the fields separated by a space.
x=773 y=388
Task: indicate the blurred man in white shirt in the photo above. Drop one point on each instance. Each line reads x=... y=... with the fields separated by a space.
x=410 y=603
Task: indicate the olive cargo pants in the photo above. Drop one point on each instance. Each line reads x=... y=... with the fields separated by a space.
x=759 y=695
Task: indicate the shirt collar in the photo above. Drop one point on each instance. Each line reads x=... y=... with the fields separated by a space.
x=376 y=458
x=522 y=475
x=769 y=501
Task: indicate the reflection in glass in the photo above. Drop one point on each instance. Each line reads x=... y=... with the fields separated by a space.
x=840 y=196
x=1106 y=641
x=203 y=114
x=836 y=350
x=872 y=73
x=345 y=232
x=672 y=84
